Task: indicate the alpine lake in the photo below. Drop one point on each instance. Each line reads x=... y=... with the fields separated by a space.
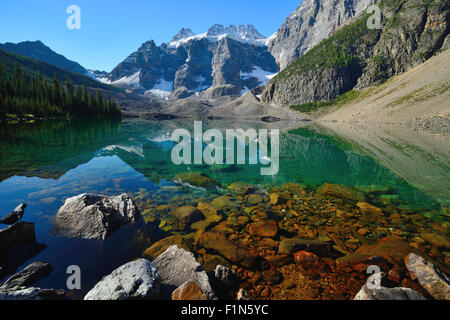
x=346 y=191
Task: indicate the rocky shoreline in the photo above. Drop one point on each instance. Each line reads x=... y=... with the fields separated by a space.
x=280 y=243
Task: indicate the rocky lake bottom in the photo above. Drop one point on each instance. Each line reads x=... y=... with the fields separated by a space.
x=341 y=202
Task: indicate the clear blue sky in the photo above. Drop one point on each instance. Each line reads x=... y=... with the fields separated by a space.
x=112 y=29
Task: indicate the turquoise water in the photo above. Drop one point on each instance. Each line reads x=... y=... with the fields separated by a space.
x=42 y=164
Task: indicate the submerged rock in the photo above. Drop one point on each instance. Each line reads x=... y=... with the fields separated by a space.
x=136 y=280
x=90 y=216
x=162 y=245
x=176 y=267
x=187 y=215
x=196 y=179
x=218 y=242
x=382 y=293
x=339 y=191
x=265 y=229
x=289 y=246
x=368 y=208
x=14 y=216
x=391 y=249
x=189 y=291
x=433 y=280
x=28 y=276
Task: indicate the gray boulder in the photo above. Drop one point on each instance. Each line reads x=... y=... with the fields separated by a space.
x=18 y=233
x=17 y=245
x=136 y=280
x=432 y=279
x=14 y=216
x=177 y=266
x=28 y=276
x=383 y=293
x=90 y=216
x=32 y=294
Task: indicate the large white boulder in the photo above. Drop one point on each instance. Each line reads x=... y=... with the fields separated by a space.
x=91 y=216
x=177 y=266
x=136 y=280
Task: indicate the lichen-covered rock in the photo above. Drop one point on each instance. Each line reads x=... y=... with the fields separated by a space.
x=90 y=216
x=136 y=280
x=383 y=293
x=433 y=280
x=177 y=266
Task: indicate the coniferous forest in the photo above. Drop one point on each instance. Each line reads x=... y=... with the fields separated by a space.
x=22 y=94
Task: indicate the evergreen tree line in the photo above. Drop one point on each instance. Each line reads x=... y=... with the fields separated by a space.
x=21 y=94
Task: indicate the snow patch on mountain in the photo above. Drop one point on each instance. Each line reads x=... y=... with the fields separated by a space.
x=163 y=89
x=132 y=81
x=260 y=74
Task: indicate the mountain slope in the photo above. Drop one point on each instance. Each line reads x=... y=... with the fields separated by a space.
x=312 y=22
x=39 y=51
x=422 y=94
x=222 y=61
x=356 y=57
x=32 y=66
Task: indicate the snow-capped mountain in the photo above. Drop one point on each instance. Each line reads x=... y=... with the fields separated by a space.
x=222 y=61
x=243 y=33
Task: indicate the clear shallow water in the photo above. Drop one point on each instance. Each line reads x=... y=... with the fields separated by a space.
x=43 y=164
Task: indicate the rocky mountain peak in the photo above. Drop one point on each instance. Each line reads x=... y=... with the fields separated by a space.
x=183 y=34
x=149 y=45
x=215 y=30
x=247 y=32
x=241 y=32
x=312 y=22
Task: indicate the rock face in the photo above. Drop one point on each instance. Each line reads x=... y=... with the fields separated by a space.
x=14 y=216
x=383 y=293
x=222 y=61
x=312 y=22
x=176 y=267
x=358 y=57
x=90 y=216
x=136 y=280
x=434 y=281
